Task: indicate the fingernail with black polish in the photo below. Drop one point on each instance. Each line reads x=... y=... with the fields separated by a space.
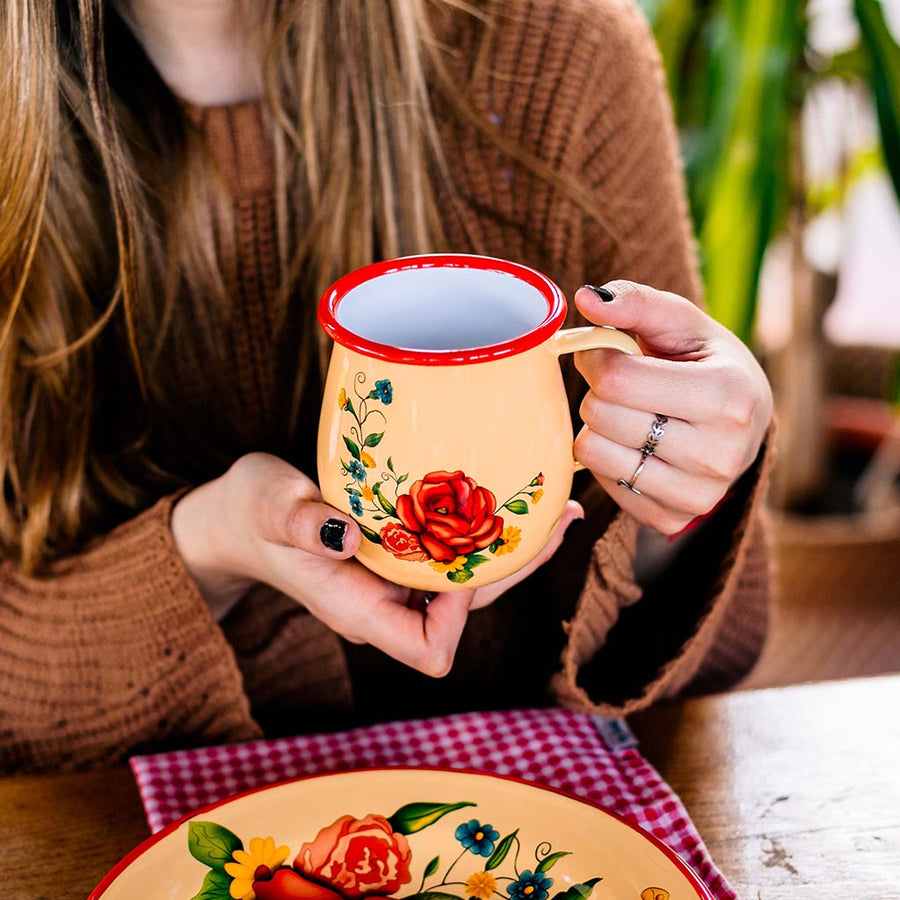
x=332 y=534
x=573 y=527
x=605 y=294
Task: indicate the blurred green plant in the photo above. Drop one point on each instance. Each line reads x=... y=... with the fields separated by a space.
x=738 y=74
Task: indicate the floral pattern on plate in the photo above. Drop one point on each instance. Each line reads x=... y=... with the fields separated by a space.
x=369 y=857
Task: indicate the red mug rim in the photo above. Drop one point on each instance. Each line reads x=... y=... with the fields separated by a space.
x=549 y=290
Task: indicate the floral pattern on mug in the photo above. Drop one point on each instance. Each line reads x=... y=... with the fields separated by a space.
x=370 y=857
x=444 y=519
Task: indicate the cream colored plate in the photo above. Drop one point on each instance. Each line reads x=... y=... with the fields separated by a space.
x=405 y=833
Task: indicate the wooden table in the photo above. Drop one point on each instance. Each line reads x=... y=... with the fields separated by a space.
x=795 y=790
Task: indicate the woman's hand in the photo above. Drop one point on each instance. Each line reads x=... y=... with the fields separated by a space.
x=264 y=521
x=698 y=374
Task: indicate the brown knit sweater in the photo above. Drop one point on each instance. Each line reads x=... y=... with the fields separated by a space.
x=116 y=650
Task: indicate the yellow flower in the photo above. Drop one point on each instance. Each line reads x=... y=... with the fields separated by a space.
x=480 y=885
x=536 y=496
x=367 y=460
x=342 y=399
x=263 y=852
x=654 y=894
x=509 y=540
x=367 y=492
x=455 y=566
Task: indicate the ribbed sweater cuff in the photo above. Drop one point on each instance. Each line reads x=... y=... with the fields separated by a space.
x=728 y=633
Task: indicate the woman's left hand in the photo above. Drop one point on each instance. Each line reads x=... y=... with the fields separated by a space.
x=696 y=373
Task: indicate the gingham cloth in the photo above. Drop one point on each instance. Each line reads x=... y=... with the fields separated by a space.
x=557 y=748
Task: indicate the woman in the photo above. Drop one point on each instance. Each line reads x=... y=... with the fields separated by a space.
x=179 y=181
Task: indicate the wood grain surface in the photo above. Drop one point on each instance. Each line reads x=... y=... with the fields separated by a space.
x=795 y=790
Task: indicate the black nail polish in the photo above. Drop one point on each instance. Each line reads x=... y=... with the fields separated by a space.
x=572 y=527
x=332 y=534
x=605 y=294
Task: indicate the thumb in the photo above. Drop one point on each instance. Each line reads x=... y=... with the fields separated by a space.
x=288 y=509
x=665 y=324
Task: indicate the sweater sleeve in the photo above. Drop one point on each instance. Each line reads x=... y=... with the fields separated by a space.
x=702 y=622
x=113 y=651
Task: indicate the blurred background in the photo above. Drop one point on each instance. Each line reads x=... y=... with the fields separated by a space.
x=789 y=116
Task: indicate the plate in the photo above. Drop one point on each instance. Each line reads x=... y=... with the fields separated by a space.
x=405 y=833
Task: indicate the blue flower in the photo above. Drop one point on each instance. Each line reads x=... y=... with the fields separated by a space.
x=530 y=886
x=356 y=504
x=355 y=468
x=383 y=391
x=477 y=838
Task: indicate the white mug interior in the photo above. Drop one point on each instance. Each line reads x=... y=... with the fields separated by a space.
x=442 y=308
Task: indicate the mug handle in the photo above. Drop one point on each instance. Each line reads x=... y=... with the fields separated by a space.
x=592 y=337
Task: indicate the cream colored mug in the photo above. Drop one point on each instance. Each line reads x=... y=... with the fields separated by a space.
x=445 y=429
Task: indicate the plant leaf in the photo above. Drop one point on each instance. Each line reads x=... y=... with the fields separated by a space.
x=432 y=867
x=352 y=447
x=460 y=577
x=580 y=891
x=353 y=491
x=383 y=501
x=350 y=408
x=518 y=507
x=549 y=861
x=373 y=440
x=212 y=844
x=414 y=817
x=884 y=54
x=499 y=854
x=216 y=886
x=402 y=478
x=368 y=533
x=431 y=895
x=476 y=560
x=390 y=463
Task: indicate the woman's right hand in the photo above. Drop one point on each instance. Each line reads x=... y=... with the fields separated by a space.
x=263 y=520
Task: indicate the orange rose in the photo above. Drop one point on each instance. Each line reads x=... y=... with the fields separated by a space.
x=402 y=543
x=357 y=857
x=451 y=515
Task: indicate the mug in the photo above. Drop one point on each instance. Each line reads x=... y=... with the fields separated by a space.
x=445 y=428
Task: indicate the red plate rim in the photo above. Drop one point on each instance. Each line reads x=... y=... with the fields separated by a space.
x=703 y=892
x=552 y=293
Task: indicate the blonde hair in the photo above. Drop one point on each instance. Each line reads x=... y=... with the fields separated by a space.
x=92 y=341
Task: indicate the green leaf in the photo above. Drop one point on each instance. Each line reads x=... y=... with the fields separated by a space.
x=352 y=447
x=353 y=491
x=580 y=891
x=460 y=577
x=741 y=179
x=350 y=408
x=518 y=507
x=379 y=518
x=414 y=817
x=476 y=560
x=216 y=886
x=402 y=478
x=391 y=463
x=499 y=854
x=432 y=867
x=495 y=545
x=884 y=54
x=383 y=501
x=373 y=440
x=431 y=895
x=373 y=536
x=212 y=844
x=549 y=861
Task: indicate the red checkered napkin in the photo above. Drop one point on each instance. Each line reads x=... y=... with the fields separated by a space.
x=557 y=748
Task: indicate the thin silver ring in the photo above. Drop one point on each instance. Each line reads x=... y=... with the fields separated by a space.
x=648 y=448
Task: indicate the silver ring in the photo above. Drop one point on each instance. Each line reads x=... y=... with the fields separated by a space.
x=657 y=430
x=648 y=448
x=630 y=483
